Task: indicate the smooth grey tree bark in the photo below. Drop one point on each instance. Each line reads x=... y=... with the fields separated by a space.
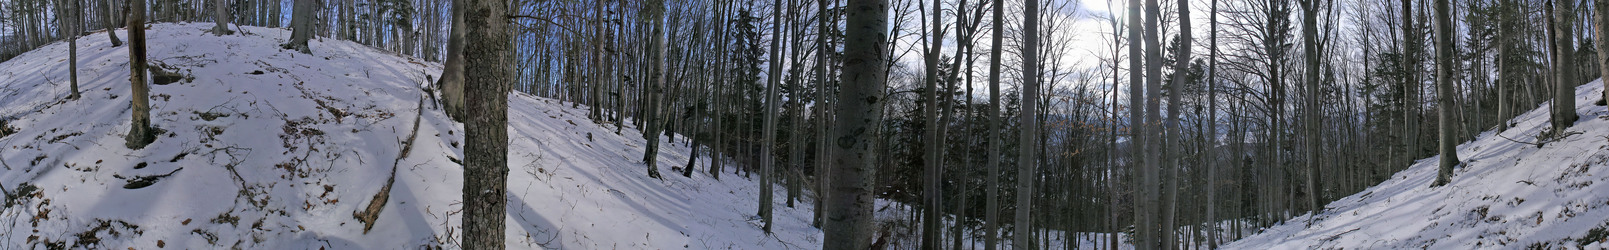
x=1027 y=157
x=221 y=17
x=858 y=115
x=1310 y=75
x=111 y=22
x=654 y=91
x=451 y=82
x=1445 y=93
x=932 y=162
x=1143 y=225
x=992 y=191
x=1174 y=137
x=302 y=25
x=769 y=132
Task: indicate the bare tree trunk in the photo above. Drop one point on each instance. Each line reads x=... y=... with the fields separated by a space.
x=1139 y=132
x=1212 y=133
x=70 y=26
x=768 y=129
x=451 y=82
x=932 y=161
x=140 y=131
x=1445 y=95
x=849 y=219
x=654 y=92
x=822 y=156
x=220 y=10
x=111 y=22
x=1028 y=157
x=1564 y=114
x=302 y=24
x=486 y=133
x=1310 y=49
x=1174 y=138
x=992 y=191
x=1598 y=9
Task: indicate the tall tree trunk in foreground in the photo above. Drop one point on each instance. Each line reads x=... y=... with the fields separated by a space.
x=1027 y=157
x=768 y=128
x=1174 y=137
x=1150 y=182
x=654 y=91
x=932 y=161
x=302 y=24
x=486 y=132
x=1144 y=230
x=1444 y=93
x=1212 y=132
x=859 y=113
x=992 y=191
x=220 y=16
x=1311 y=121
x=1564 y=67
x=140 y=131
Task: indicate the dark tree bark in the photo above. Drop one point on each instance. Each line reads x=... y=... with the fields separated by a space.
x=859 y=113
x=140 y=131
x=1564 y=114
x=486 y=133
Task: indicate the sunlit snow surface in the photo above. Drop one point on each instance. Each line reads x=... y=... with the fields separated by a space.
x=304 y=168
x=1511 y=195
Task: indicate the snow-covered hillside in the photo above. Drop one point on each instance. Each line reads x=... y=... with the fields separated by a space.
x=1510 y=195
x=272 y=149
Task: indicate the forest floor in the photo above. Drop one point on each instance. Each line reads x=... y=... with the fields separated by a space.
x=1514 y=191
x=265 y=148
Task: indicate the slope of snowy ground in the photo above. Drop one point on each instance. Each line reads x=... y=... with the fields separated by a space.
x=271 y=149
x=1510 y=195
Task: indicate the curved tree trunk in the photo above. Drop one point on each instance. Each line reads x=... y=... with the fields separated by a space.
x=451 y=82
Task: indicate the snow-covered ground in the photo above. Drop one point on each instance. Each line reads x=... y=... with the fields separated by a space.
x=1510 y=195
x=272 y=149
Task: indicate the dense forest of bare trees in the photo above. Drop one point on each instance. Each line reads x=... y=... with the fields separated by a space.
x=1227 y=125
